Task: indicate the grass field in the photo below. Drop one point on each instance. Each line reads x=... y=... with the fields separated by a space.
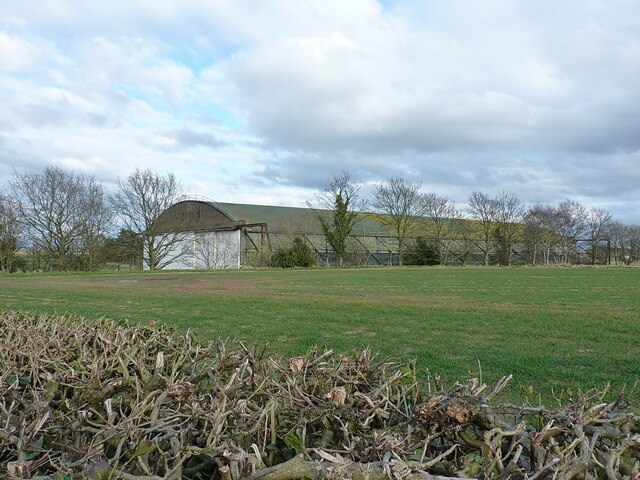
x=553 y=328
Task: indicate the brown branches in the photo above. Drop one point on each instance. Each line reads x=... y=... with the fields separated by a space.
x=100 y=400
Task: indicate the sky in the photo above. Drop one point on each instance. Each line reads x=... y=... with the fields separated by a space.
x=261 y=101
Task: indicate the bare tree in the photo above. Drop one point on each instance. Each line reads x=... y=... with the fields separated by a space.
x=124 y=248
x=214 y=250
x=539 y=231
x=139 y=201
x=484 y=209
x=509 y=213
x=570 y=225
x=630 y=244
x=598 y=222
x=401 y=205
x=533 y=230
x=95 y=229
x=64 y=214
x=444 y=217
x=465 y=240
x=625 y=242
x=10 y=232
x=337 y=207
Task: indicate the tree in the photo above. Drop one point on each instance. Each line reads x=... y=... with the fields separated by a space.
x=401 y=205
x=95 y=230
x=598 y=222
x=539 y=226
x=10 y=233
x=508 y=215
x=64 y=214
x=337 y=207
x=443 y=215
x=615 y=237
x=465 y=238
x=299 y=254
x=570 y=225
x=631 y=244
x=423 y=252
x=484 y=209
x=139 y=201
x=533 y=231
x=125 y=248
x=216 y=250
x=625 y=242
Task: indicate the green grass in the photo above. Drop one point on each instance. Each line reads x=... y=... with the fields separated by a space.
x=553 y=328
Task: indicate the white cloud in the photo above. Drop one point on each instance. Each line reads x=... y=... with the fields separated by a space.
x=134 y=64
x=397 y=86
x=538 y=97
x=16 y=53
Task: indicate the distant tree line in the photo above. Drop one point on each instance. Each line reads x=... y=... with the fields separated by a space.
x=66 y=221
x=59 y=220
x=430 y=230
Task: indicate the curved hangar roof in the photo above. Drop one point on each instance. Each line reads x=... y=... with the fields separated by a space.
x=196 y=215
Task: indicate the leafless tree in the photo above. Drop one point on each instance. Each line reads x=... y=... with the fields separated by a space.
x=214 y=250
x=10 y=232
x=401 y=205
x=465 y=239
x=533 y=231
x=509 y=213
x=539 y=231
x=64 y=214
x=337 y=207
x=484 y=209
x=616 y=235
x=442 y=214
x=598 y=222
x=570 y=225
x=139 y=201
x=631 y=244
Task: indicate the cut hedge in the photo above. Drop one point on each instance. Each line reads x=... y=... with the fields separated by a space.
x=81 y=399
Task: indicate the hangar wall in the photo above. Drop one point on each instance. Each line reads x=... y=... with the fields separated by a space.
x=205 y=250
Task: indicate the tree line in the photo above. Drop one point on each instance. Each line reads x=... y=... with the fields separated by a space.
x=432 y=228
x=68 y=222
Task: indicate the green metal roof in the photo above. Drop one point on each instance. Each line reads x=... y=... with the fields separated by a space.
x=290 y=219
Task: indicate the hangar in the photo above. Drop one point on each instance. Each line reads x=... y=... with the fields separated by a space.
x=231 y=235
x=209 y=235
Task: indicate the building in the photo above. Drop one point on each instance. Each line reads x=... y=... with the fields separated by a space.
x=230 y=235
x=206 y=235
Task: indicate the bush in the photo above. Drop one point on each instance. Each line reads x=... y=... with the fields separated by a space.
x=299 y=254
x=100 y=400
x=422 y=252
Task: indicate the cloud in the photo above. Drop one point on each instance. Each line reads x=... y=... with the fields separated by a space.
x=17 y=53
x=138 y=67
x=390 y=87
x=186 y=138
x=541 y=98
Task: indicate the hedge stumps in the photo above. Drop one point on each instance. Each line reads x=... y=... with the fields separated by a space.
x=102 y=399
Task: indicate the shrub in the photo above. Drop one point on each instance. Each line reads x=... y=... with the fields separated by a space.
x=99 y=400
x=422 y=252
x=299 y=254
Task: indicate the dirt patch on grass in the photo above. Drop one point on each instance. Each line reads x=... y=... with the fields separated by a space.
x=235 y=286
x=358 y=331
x=268 y=288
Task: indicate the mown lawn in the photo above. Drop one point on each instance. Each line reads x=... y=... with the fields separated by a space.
x=553 y=328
